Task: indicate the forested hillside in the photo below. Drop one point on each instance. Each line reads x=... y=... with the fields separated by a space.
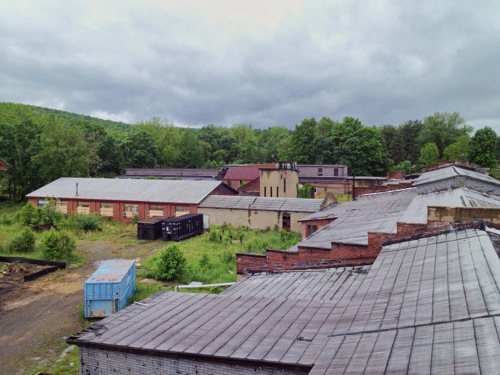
x=40 y=145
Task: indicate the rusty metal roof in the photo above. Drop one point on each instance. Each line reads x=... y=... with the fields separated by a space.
x=430 y=305
x=132 y=190
x=112 y=270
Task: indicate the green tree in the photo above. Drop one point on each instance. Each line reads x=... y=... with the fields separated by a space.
x=482 y=149
x=405 y=166
x=408 y=133
x=245 y=147
x=19 y=144
x=139 y=150
x=191 y=156
x=108 y=152
x=458 y=150
x=324 y=141
x=64 y=151
x=24 y=243
x=302 y=142
x=443 y=129
x=170 y=264
x=167 y=141
x=269 y=142
x=429 y=155
x=57 y=245
x=359 y=147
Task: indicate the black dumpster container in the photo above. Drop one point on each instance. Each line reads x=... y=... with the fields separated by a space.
x=181 y=227
x=150 y=229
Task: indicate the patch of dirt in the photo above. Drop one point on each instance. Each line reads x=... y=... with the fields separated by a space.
x=37 y=316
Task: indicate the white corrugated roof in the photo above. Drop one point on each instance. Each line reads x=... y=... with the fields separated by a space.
x=108 y=189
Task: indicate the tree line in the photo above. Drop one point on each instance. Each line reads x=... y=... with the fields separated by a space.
x=40 y=145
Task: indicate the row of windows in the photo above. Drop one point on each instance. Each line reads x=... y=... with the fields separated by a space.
x=106 y=209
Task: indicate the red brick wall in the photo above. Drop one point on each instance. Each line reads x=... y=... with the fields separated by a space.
x=319 y=223
x=340 y=254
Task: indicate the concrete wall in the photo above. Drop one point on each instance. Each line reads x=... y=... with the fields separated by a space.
x=279 y=183
x=260 y=220
x=106 y=362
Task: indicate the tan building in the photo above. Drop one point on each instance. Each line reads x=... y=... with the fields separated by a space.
x=260 y=213
x=280 y=181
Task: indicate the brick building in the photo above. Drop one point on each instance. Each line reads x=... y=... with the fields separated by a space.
x=124 y=199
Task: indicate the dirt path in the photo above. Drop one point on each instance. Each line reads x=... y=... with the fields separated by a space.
x=36 y=317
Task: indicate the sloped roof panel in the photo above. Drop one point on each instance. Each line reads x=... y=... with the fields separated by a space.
x=353 y=220
x=263 y=204
x=134 y=190
x=451 y=172
x=416 y=213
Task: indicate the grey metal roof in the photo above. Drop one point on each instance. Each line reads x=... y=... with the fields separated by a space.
x=369 y=213
x=108 y=189
x=451 y=172
x=430 y=305
x=416 y=212
x=333 y=284
x=261 y=203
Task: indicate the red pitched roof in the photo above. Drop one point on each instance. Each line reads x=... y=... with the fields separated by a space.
x=246 y=173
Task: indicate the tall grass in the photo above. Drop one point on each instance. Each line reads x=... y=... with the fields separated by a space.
x=211 y=256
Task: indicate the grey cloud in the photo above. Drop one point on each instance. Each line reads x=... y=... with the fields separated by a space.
x=384 y=63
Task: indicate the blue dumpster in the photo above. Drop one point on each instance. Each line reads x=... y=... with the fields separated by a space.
x=109 y=288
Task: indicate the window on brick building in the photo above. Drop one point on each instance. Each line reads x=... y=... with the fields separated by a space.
x=311 y=229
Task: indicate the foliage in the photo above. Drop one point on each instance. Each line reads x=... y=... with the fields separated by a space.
x=404 y=166
x=144 y=290
x=57 y=245
x=302 y=143
x=483 y=148
x=359 y=147
x=443 y=129
x=429 y=155
x=77 y=222
x=458 y=150
x=19 y=144
x=24 y=243
x=39 y=217
x=65 y=151
x=170 y=264
x=139 y=150
x=305 y=191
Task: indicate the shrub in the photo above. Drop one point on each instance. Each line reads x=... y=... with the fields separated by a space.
x=39 y=217
x=205 y=261
x=57 y=245
x=227 y=256
x=24 y=243
x=170 y=264
x=86 y=223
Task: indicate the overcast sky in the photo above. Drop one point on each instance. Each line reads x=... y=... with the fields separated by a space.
x=263 y=63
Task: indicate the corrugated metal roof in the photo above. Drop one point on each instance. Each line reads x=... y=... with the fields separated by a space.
x=171 y=172
x=108 y=189
x=369 y=213
x=262 y=203
x=416 y=213
x=430 y=306
x=450 y=172
x=333 y=284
